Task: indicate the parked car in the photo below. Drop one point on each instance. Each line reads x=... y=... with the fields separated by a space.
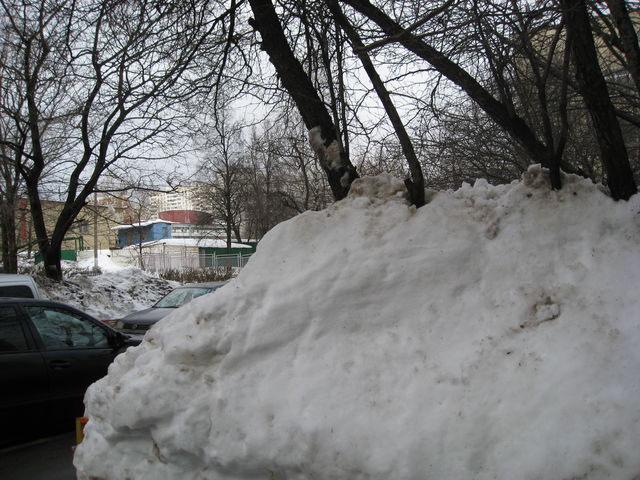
x=49 y=354
x=23 y=286
x=137 y=323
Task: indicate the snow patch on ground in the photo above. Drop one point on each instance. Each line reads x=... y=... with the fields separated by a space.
x=492 y=333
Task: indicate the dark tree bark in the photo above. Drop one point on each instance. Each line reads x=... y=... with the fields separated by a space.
x=9 y=186
x=9 y=244
x=322 y=132
x=628 y=38
x=415 y=184
x=593 y=89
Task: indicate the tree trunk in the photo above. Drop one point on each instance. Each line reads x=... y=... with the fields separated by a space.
x=9 y=244
x=628 y=38
x=322 y=132
x=52 y=257
x=10 y=179
x=593 y=88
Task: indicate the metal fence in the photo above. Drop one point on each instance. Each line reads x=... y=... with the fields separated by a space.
x=159 y=262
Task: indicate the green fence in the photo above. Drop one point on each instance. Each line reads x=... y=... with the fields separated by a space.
x=65 y=255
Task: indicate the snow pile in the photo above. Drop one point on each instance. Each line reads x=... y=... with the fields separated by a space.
x=113 y=294
x=490 y=334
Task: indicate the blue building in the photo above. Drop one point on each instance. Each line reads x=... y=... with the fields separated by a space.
x=143 y=232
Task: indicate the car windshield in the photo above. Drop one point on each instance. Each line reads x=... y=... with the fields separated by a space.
x=180 y=296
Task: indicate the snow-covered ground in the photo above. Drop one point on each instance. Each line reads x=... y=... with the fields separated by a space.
x=492 y=334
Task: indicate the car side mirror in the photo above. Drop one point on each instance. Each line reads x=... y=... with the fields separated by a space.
x=121 y=340
x=128 y=341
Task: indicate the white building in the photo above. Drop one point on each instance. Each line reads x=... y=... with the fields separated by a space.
x=183 y=198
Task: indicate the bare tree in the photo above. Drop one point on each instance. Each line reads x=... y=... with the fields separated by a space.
x=221 y=174
x=9 y=196
x=467 y=145
x=264 y=179
x=615 y=23
x=499 y=109
x=593 y=88
x=524 y=52
x=625 y=38
x=16 y=146
x=305 y=186
x=322 y=129
x=114 y=74
x=414 y=184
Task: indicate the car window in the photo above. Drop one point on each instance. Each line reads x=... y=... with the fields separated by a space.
x=19 y=291
x=62 y=329
x=12 y=337
x=180 y=296
x=197 y=292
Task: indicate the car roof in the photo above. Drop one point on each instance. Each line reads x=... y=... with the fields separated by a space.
x=14 y=276
x=42 y=301
x=21 y=299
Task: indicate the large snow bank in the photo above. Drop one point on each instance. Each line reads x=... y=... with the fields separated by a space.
x=491 y=334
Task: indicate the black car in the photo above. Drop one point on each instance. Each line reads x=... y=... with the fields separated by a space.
x=49 y=354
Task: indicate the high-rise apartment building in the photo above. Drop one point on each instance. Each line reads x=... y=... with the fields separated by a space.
x=190 y=198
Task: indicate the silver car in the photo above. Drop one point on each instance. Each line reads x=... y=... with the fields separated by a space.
x=138 y=323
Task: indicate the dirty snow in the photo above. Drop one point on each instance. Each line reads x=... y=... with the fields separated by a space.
x=491 y=334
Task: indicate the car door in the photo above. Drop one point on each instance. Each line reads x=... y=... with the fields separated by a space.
x=24 y=394
x=76 y=349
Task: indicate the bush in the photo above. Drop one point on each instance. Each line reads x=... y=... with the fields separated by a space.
x=199 y=275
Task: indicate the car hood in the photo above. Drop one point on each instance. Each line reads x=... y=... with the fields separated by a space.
x=150 y=315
